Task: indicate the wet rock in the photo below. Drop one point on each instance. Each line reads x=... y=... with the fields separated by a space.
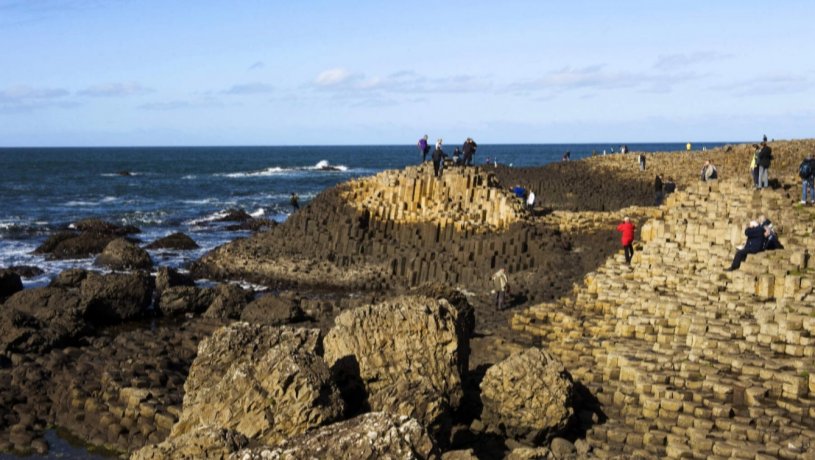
x=532 y=453
x=121 y=254
x=254 y=225
x=124 y=173
x=527 y=397
x=369 y=436
x=71 y=278
x=407 y=361
x=234 y=215
x=201 y=443
x=104 y=228
x=116 y=297
x=10 y=283
x=179 y=300
x=178 y=241
x=38 y=319
x=272 y=310
x=229 y=301
x=26 y=271
x=265 y=383
x=169 y=277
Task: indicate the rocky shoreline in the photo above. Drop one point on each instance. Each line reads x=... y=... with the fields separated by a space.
x=378 y=337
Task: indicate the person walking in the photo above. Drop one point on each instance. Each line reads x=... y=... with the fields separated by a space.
x=806 y=171
x=424 y=147
x=626 y=228
x=468 y=149
x=765 y=157
x=500 y=284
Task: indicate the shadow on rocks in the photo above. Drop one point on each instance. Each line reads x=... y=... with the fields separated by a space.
x=345 y=373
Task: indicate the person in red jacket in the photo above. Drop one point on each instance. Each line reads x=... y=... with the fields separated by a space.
x=627 y=230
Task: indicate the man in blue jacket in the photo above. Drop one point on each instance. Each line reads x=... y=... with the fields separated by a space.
x=755 y=244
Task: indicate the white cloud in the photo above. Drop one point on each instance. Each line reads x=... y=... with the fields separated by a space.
x=181 y=104
x=680 y=61
x=402 y=82
x=334 y=77
x=23 y=98
x=597 y=78
x=257 y=65
x=115 y=90
x=768 y=84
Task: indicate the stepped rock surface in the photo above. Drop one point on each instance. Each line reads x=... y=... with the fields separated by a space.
x=408 y=354
x=202 y=443
x=686 y=359
x=266 y=383
x=527 y=397
x=366 y=437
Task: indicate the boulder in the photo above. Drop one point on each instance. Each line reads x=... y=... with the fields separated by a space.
x=178 y=241
x=27 y=271
x=527 y=397
x=234 y=215
x=254 y=225
x=273 y=311
x=180 y=300
x=229 y=301
x=73 y=245
x=366 y=437
x=169 y=277
x=38 y=319
x=266 y=383
x=533 y=453
x=407 y=361
x=10 y=283
x=121 y=254
x=71 y=278
x=202 y=443
x=105 y=228
x=116 y=297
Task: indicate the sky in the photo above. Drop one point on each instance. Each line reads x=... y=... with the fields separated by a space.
x=311 y=72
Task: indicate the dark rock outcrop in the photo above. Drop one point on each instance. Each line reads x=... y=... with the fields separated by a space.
x=178 y=241
x=273 y=311
x=36 y=320
x=167 y=277
x=228 y=302
x=10 y=283
x=180 y=300
x=116 y=297
x=71 y=278
x=26 y=271
x=234 y=215
x=87 y=238
x=121 y=254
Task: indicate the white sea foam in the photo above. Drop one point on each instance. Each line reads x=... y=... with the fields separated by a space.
x=208 y=218
x=189 y=177
x=258 y=213
x=321 y=166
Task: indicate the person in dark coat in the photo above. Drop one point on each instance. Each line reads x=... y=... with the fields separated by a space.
x=658 y=190
x=765 y=157
x=438 y=156
x=468 y=149
x=294 y=200
x=754 y=245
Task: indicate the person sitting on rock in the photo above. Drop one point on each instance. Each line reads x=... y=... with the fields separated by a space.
x=500 y=284
x=669 y=186
x=770 y=236
x=709 y=172
x=754 y=244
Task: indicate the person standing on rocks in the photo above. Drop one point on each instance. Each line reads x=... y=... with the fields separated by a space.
x=438 y=156
x=627 y=229
x=468 y=149
x=765 y=157
x=754 y=245
x=806 y=171
x=424 y=147
x=754 y=165
x=641 y=160
x=658 y=190
x=294 y=200
x=500 y=283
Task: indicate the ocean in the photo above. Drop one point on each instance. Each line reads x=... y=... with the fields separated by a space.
x=163 y=190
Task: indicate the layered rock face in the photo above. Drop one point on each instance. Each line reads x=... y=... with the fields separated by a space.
x=404 y=228
x=265 y=383
x=201 y=443
x=527 y=396
x=408 y=355
x=688 y=360
x=366 y=437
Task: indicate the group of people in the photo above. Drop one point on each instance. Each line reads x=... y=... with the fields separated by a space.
x=760 y=164
x=463 y=157
x=760 y=237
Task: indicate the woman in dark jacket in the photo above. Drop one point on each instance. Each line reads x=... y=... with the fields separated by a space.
x=765 y=157
x=755 y=244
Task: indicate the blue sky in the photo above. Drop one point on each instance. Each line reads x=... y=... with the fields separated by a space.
x=85 y=73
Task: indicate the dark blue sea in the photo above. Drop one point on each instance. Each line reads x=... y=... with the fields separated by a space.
x=187 y=189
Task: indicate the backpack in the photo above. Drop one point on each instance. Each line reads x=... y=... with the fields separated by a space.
x=805 y=170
